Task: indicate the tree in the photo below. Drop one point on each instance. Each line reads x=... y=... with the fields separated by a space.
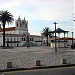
x=47 y=33
x=5 y=17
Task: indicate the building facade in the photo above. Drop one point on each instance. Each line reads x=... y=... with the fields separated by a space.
x=18 y=35
x=61 y=43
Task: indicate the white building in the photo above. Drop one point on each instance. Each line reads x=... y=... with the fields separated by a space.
x=18 y=35
x=61 y=43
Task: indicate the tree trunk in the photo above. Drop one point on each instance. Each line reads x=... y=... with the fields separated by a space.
x=47 y=40
x=3 y=34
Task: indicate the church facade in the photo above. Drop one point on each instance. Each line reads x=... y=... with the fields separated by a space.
x=19 y=35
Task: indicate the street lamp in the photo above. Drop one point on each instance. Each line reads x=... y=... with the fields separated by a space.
x=55 y=38
x=28 y=41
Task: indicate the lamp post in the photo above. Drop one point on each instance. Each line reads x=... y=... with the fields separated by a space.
x=28 y=41
x=55 y=38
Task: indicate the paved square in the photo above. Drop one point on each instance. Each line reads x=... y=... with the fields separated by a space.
x=23 y=57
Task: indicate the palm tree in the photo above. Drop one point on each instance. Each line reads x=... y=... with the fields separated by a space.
x=5 y=17
x=46 y=33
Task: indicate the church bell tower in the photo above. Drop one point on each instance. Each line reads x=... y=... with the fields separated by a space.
x=22 y=25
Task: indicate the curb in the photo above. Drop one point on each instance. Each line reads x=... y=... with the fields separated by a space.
x=37 y=67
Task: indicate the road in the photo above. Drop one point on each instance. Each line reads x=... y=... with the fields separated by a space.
x=52 y=71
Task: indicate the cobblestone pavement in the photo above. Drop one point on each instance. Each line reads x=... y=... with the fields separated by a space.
x=22 y=57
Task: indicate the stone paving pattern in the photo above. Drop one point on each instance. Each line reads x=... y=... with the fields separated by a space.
x=22 y=57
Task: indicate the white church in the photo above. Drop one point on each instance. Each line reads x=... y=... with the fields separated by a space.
x=18 y=35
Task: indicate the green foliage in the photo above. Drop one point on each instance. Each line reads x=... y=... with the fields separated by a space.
x=47 y=33
x=5 y=17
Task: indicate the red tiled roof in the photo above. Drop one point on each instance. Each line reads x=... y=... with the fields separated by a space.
x=67 y=38
x=35 y=35
x=14 y=35
x=8 y=29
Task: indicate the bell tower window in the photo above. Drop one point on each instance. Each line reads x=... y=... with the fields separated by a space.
x=17 y=24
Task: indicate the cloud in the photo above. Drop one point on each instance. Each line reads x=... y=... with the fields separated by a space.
x=50 y=9
x=10 y=4
x=43 y=11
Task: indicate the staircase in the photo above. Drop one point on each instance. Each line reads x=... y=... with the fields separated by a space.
x=31 y=44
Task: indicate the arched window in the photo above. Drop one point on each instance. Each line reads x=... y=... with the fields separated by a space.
x=31 y=39
x=24 y=39
x=17 y=24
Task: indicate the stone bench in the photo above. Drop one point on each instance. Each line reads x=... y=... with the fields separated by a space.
x=9 y=64
x=63 y=61
x=37 y=62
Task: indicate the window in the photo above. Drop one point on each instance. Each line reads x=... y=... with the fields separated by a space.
x=17 y=39
x=17 y=24
x=52 y=40
x=23 y=22
x=11 y=44
x=10 y=39
x=31 y=39
x=14 y=44
x=24 y=39
x=43 y=41
x=68 y=45
x=14 y=39
x=17 y=44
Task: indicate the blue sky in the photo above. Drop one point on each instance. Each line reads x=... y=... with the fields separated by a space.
x=42 y=13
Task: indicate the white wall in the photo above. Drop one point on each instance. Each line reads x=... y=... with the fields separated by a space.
x=53 y=45
x=45 y=40
x=1 y=40
x=12 y=38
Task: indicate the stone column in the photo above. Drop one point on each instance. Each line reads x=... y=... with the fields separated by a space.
x=64 y=39
x=58 y=40
x=67 y=39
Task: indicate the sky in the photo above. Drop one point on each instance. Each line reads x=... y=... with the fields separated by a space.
x=42 y=13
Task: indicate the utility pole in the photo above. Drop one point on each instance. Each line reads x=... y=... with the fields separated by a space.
x=55 y=38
